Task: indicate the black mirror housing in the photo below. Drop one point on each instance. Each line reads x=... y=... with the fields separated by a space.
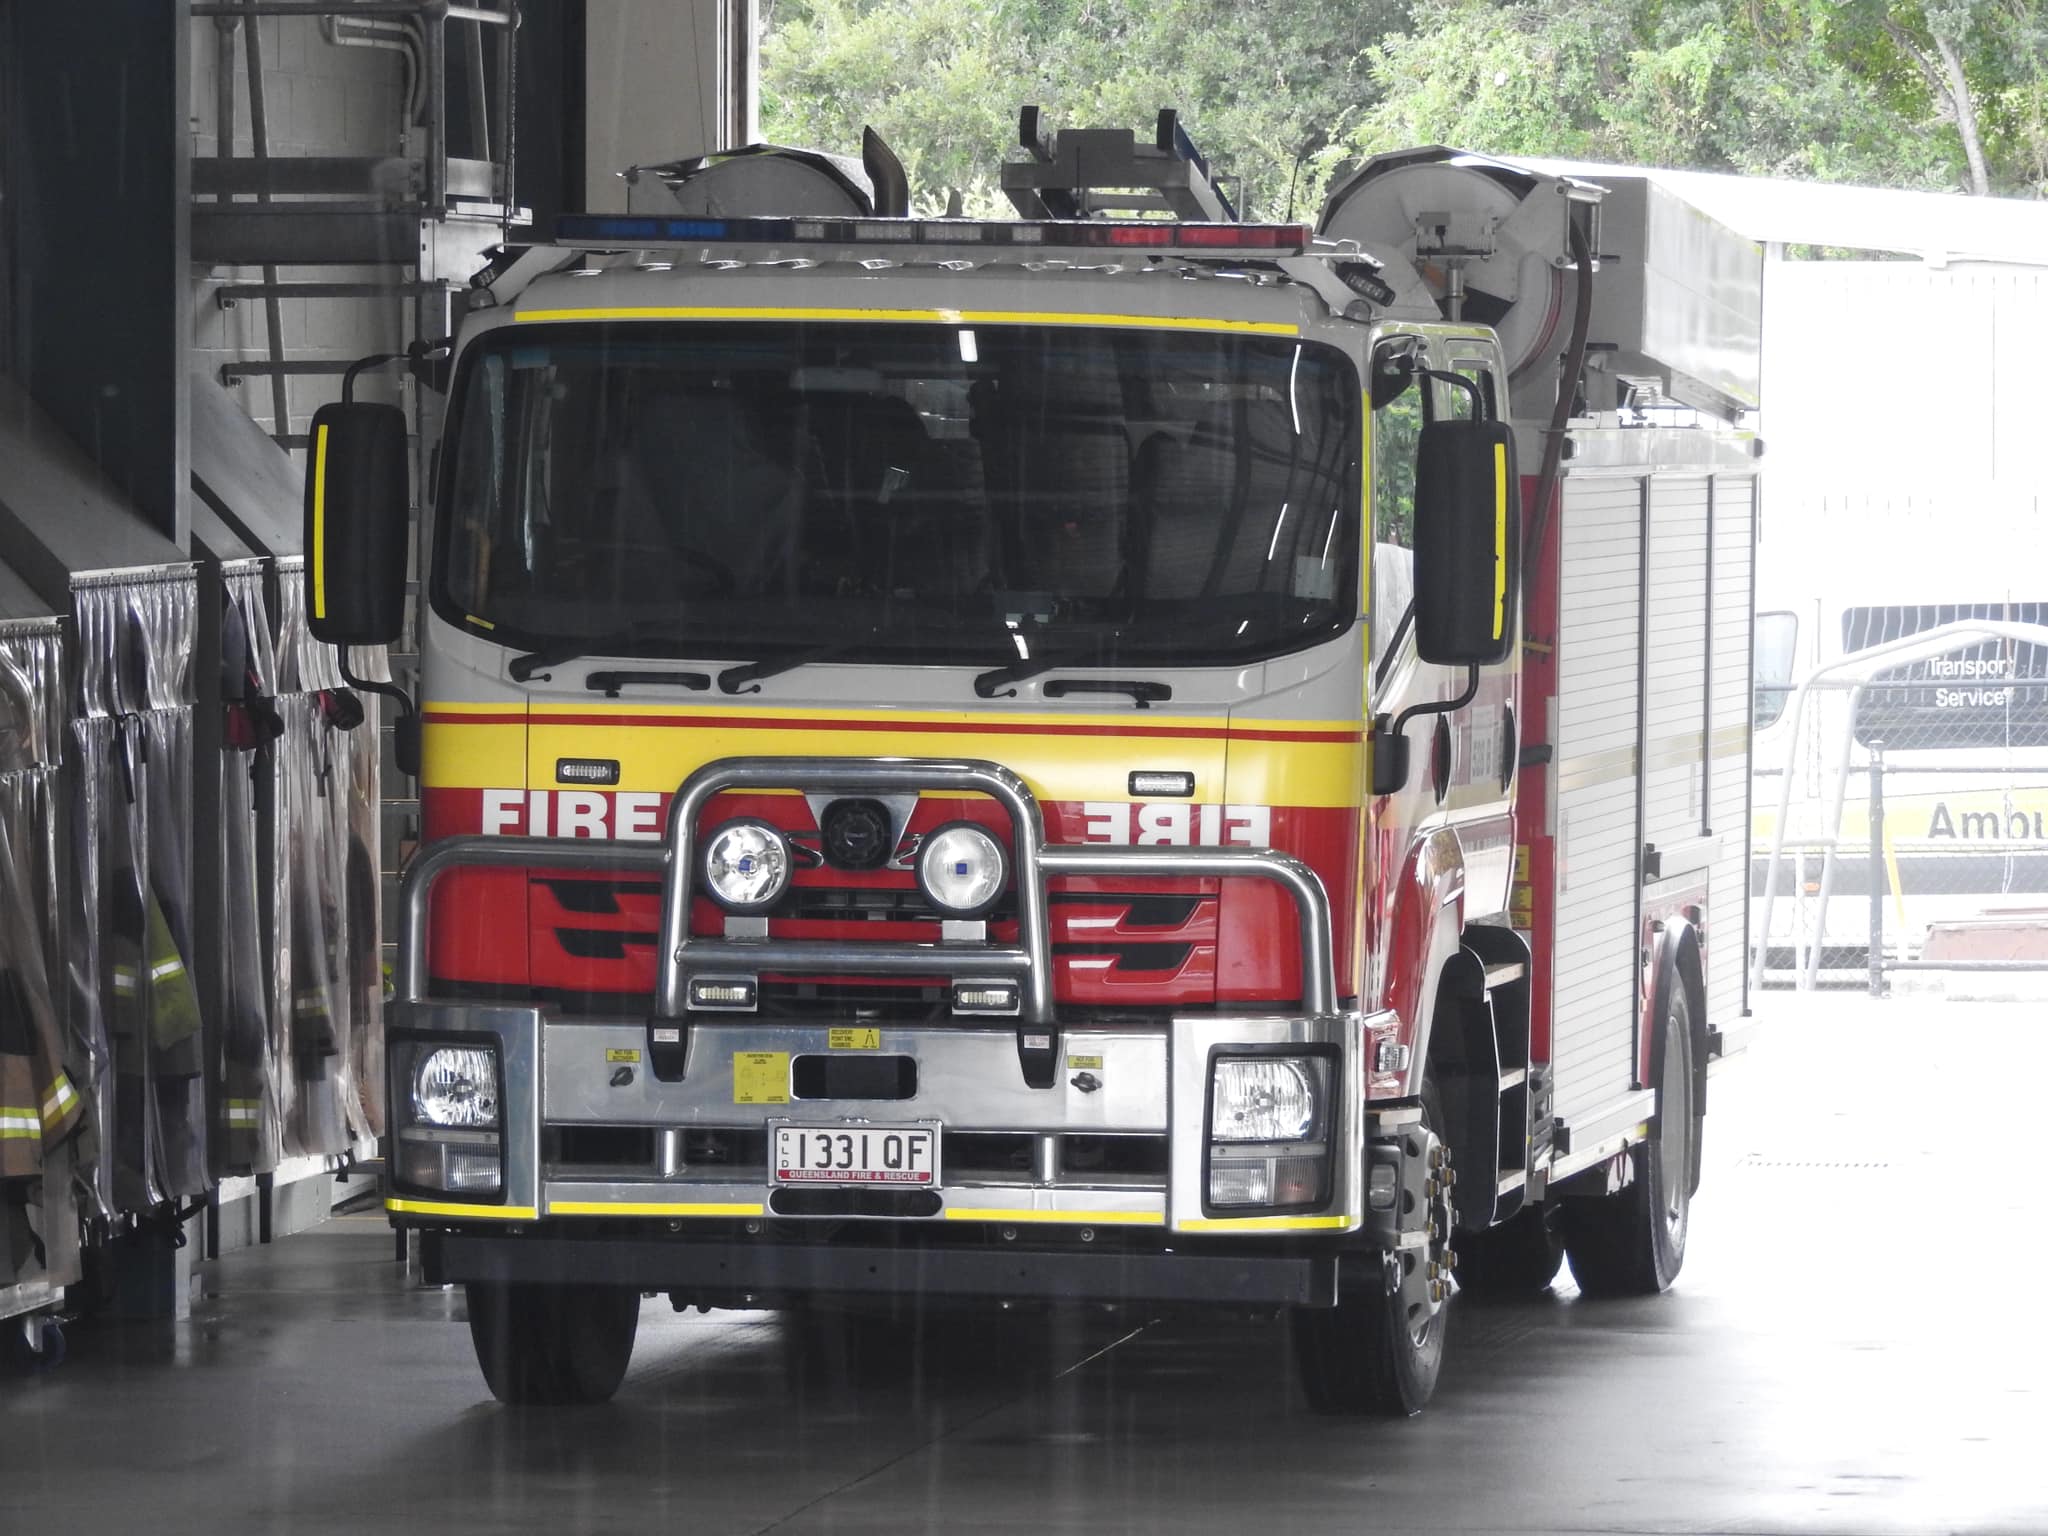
x=1468 y=543
x=356 y=504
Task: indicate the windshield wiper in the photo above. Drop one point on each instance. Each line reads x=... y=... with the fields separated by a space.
x=735 y=679
x=988 y=684
x=1144 y=690
x=623 y=642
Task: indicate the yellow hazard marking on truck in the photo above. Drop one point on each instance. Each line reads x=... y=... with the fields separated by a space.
x=1084 y=1063
x=926 y=316
x=1076 y=1218
x=615 y=1054
x=1311 y=763
x=1521 y=894
x=854 y=1039
x=1500 y=538
x=450 y=1208
x=320 y=522
x=626 y=1208
x=760 y=1077
x=1265 y=1223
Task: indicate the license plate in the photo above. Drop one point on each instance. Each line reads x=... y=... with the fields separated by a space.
x=856 y=1154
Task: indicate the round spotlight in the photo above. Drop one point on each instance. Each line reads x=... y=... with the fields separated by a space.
x=856 y=834
x=961 y=869
x=746 y=865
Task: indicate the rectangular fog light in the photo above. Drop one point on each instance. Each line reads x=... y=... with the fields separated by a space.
x=439 y=1165
x=730 y=994
x=1000 y=997
x=1241 y=1183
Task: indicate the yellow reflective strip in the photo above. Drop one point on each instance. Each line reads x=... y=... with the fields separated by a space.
x=10 y=1133
x=62 y=1097
x=1500 y=538
x=448 y=1208
x=610 y=1208
x=1076 y=1218
x=931 y=316
x=1264 y=1223
x=320 y=522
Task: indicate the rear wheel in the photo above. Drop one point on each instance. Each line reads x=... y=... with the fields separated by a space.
x=553 y=1345
x=1378 y=1351
x=1632 y=1242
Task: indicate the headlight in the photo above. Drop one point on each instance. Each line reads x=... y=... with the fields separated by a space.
x=456 y=1085
x=961 y=869
x=1264 y=1098
x=746 y=865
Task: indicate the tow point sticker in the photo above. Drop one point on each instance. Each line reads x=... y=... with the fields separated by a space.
x=760 y=1077
x=854 y=1039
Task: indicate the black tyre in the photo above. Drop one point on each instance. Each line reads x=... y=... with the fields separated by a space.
x=1632 y=1243
x=1520 y=1257
x=1375 y=1353
x=553 y=1345
x=33 y=1345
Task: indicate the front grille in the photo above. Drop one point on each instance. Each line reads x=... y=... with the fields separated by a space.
x=1136 y=1160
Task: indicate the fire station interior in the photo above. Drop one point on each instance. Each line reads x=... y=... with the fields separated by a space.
x=221 y=1309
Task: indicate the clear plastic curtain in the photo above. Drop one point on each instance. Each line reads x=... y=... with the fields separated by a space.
x=44 y=1071
x=136 y=636
x=330 y=972
x=249 y=1120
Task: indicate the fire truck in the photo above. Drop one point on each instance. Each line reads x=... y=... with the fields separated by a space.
x=1119 y=755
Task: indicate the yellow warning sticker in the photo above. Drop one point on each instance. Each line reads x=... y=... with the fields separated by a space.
x=854 y=1039
x=618 y=1055
x=1084 y=1063
x=1521 y=897
x=760 y=1077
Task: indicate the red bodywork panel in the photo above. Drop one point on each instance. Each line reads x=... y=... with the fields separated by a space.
x=1121 y=942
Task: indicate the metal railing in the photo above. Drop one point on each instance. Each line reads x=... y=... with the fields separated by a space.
x=1909 y=734
x=1029 y=960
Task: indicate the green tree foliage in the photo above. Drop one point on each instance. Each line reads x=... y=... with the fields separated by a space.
x=1283 y=93
x=1260 y=83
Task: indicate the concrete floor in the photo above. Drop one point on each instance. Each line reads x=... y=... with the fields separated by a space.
x=1856 y=1345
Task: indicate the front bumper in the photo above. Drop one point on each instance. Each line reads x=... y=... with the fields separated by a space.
x=1149 y=1085
x=1038 y=1079
x=737 y=1272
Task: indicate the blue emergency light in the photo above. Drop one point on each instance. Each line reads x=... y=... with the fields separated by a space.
x=627 y=231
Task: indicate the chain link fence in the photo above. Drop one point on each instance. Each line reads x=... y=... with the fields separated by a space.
x=1901 y=799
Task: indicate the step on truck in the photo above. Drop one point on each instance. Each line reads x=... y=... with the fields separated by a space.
x=1116 y=756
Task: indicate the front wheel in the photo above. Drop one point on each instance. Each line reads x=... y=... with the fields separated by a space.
x=1379 y=1350
x=553 y=1345
x=1632 y=1242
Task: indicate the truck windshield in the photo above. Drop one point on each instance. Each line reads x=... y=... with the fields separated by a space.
x=907 y=492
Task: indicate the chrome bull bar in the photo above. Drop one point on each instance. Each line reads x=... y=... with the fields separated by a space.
x=1030 y=960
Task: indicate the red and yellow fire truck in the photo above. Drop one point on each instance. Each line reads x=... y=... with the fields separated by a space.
x=1119 y=755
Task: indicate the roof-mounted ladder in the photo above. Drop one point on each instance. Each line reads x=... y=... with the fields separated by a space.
x=1080 y=173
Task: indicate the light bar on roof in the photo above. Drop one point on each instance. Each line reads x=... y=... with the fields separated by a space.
x=606 y=231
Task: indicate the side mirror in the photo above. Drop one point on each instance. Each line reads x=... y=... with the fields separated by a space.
x=1468 y=543
x=356 y=501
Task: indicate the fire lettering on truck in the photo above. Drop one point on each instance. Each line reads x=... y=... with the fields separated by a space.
x=634 y=816
x=1176 y=824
